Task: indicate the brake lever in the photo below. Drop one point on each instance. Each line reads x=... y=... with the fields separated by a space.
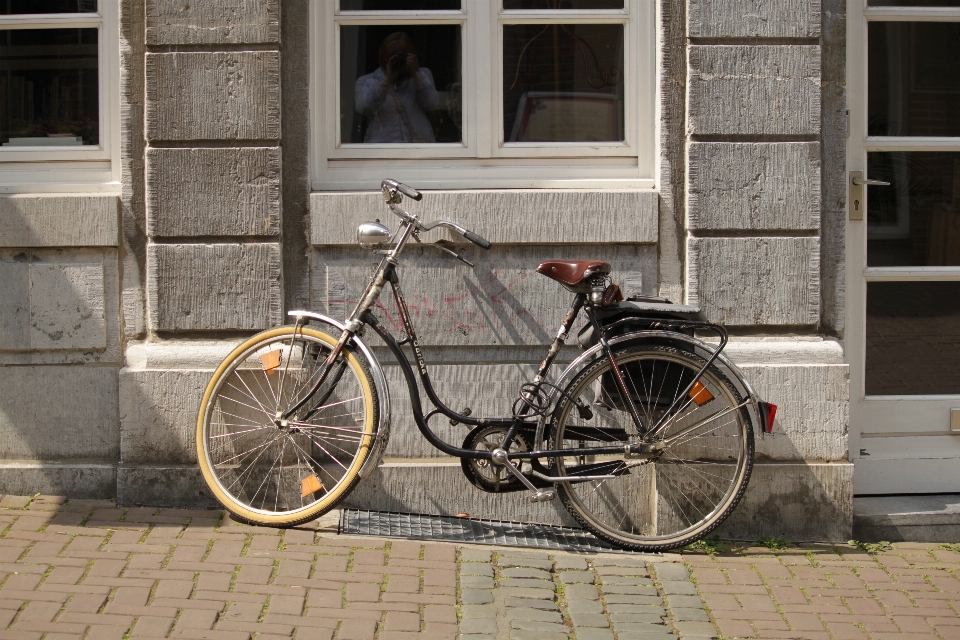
x=453 y=253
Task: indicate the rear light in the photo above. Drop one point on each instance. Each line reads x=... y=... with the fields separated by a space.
x=767 y=414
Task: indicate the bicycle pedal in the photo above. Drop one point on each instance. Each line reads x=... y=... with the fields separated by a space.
x=541 y=496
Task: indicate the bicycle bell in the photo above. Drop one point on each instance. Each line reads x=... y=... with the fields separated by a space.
x=372 y=234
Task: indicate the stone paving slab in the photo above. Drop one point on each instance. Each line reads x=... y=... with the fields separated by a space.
x=87 y=569
x=838 y=591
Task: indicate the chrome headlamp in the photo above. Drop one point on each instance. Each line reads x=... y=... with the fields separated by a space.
x=372 y=234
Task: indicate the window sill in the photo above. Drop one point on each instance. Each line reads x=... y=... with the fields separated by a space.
x=504 y=216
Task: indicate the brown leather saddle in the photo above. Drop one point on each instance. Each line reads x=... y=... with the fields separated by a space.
x=574 y=274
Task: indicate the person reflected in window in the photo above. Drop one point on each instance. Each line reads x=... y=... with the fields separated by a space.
x=398 y=96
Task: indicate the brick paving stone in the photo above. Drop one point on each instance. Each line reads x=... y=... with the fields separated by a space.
x=356 y=629
x=402 y=621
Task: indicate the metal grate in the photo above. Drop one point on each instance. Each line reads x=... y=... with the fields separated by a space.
x=417 y=526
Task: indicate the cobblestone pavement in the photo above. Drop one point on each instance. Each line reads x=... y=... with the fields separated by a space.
x=87 y=569
x=883 y=592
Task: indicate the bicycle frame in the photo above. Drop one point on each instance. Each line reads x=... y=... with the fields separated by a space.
x=386 y=273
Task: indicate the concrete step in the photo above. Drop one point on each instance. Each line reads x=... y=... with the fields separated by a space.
x=917 y=518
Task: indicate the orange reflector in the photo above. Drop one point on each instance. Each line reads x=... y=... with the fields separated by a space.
x=270 y=361
x=700 y=394
x=310 y=484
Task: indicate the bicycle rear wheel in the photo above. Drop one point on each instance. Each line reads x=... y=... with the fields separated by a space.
x=691 y=485
x=282 y=473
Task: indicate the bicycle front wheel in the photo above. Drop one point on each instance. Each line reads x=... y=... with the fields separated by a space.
x=284 y=472
x=704 y=457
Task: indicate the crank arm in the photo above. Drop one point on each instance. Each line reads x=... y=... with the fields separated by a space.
x=499 y=457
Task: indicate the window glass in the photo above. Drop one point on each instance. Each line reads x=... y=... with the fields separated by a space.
x=399 y=5
x=916 y=220
x=914 y=79
x=913 y=338
x=562 y=4
x=12 y=7
x=49 y=87
x=563 y=83
x=400 y=84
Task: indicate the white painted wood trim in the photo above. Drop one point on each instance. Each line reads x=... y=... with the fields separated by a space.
x=28 y=169
x=915 y=143
x=483 y=159
x=913 y=14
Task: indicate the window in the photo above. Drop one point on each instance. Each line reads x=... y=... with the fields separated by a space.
x=58 y=62
x=481 y=93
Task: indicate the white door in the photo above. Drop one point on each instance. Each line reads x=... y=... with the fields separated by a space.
x=903 y=245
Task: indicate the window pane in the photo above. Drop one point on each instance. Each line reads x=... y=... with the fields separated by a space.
x=399 y=5
x=49 y=93
x=913 y=338
x=562 y=82
x=400 y=83
x=11 y=7
x=914 y=79
x=562 y=4
x=916 y=220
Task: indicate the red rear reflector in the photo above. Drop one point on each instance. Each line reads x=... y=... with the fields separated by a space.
x=768 y=412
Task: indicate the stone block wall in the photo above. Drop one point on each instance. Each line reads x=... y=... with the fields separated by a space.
x=59 y=343
x=765 y=241
x=216 y=233
x=209 y=191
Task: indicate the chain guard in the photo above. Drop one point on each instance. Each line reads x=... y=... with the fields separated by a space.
x=483 y=474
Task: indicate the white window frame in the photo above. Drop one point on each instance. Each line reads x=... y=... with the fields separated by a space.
x=483 y=159
x=73 y=168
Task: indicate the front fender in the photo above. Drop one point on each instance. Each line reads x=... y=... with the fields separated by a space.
x=379 y=381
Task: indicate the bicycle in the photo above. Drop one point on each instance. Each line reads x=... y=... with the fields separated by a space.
x=647 y=436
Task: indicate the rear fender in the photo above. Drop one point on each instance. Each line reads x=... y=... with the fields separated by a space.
x=669 y=338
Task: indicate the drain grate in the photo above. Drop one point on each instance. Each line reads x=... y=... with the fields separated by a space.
x=416 y=526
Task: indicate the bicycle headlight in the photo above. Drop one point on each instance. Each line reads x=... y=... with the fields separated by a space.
x=372 y=234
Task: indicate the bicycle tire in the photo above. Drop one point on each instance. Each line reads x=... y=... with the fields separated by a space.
x=679 y=497
x=262 y=471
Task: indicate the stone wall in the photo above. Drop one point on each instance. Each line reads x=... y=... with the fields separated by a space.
x=121 y=307
x=210 y=191
x=59 y=344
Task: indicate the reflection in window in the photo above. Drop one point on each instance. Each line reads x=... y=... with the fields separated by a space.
x=563 y=82
x=400 y=84
x=916 y=220
x=399 y=5
x=562 y=4
x=914 y=79
x=913 y=338
x=49 y=87
x=16 y=7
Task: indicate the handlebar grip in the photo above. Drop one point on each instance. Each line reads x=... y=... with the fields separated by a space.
x=410 y=192
x=477 y=240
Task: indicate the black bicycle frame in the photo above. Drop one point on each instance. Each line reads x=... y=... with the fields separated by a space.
x=513 y=424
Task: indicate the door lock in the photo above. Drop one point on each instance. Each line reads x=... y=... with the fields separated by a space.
x=856 y=203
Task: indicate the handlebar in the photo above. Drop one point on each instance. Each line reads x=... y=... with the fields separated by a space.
x=393 y=185
x=477 y=240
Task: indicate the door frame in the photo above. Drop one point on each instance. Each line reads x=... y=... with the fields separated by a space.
x=887 y=423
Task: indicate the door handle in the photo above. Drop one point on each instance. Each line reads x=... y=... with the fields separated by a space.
x=857 y=180
x=856 y=202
